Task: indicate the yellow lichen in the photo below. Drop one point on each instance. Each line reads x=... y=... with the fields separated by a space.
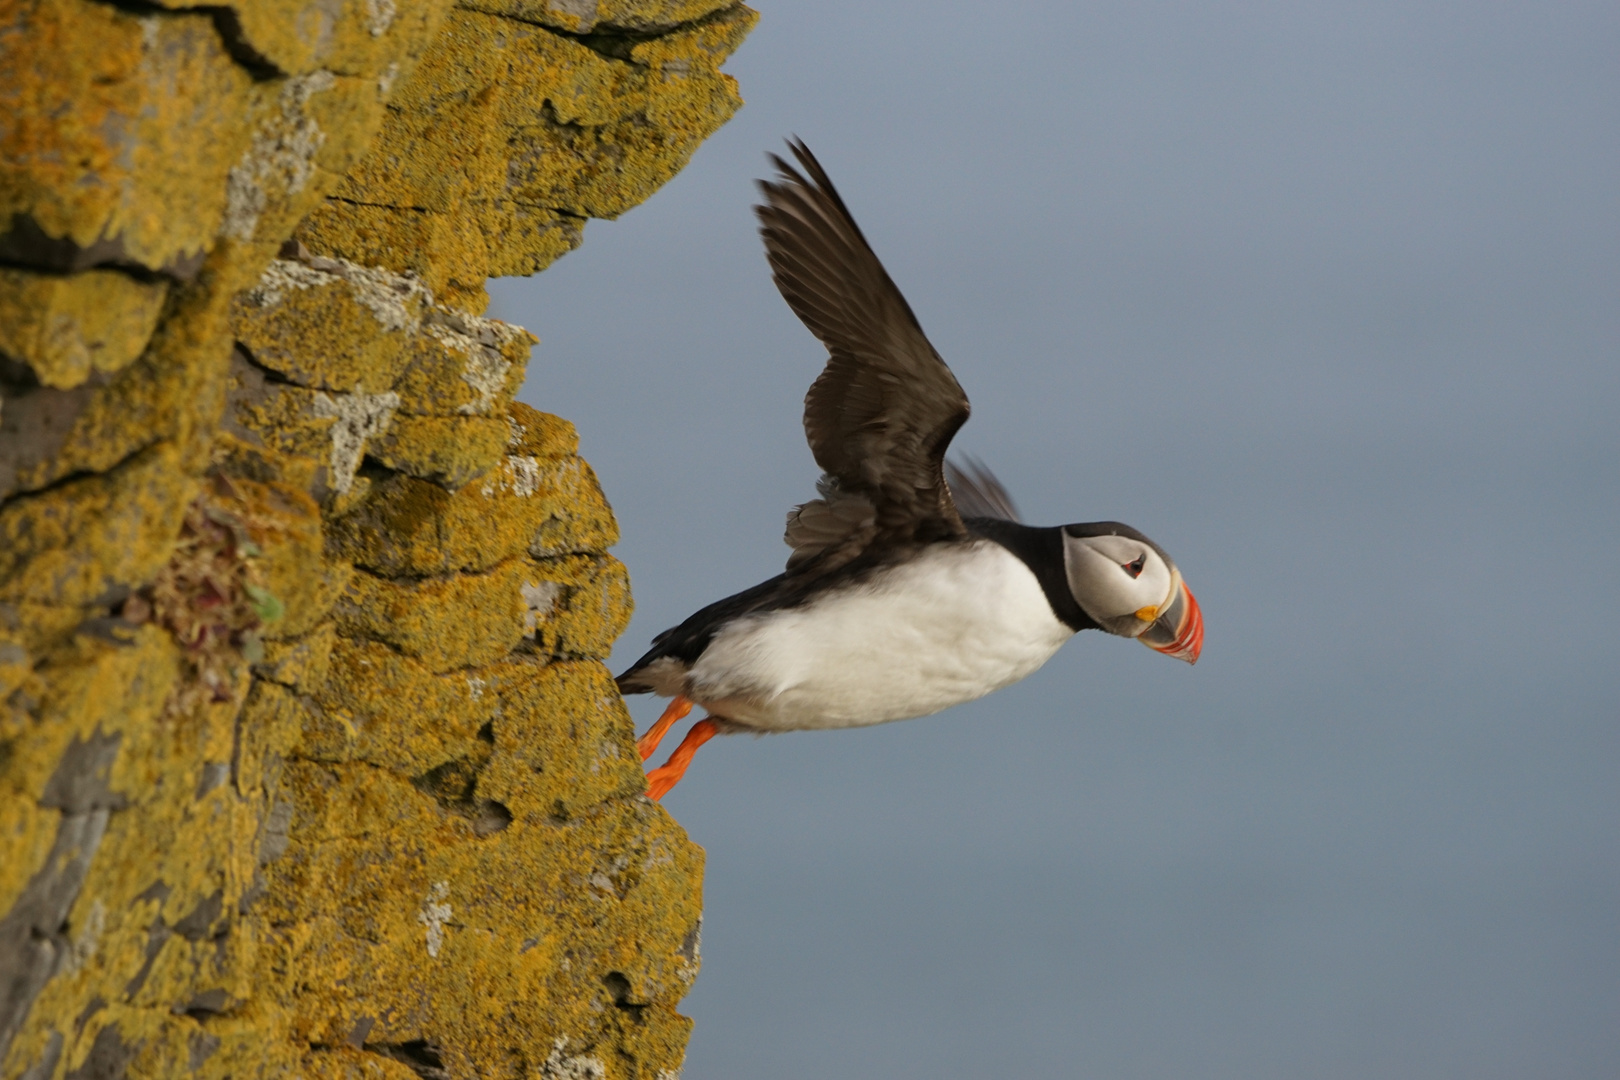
x=449 y=258
x=364 y=37
x=458 y=620
x=579 y=603
x=527 y=132
x=447 y=450
x=86 y=537
x=120 y=128
x=607 y=17
x=65 y=327
x=412 y=527
x=541 y=434
x=398 y=828
x=324 y=331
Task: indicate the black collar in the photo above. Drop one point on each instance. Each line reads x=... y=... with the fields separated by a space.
x=1042 y=551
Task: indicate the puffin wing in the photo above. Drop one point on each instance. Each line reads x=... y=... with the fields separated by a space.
x=977 y=492
x=837 y=526
x=882 y=412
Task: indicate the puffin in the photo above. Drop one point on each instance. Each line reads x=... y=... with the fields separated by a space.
x=912 y=585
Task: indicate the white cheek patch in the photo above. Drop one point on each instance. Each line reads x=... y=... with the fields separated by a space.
x=1103 y=588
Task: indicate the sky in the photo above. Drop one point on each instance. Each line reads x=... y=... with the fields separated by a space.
x=1323 y=297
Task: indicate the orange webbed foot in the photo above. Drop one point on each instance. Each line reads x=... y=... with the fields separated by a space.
x=667 y=775
x=647 y=745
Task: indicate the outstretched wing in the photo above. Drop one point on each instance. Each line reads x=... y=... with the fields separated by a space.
x=977 y=492
x=882 y=412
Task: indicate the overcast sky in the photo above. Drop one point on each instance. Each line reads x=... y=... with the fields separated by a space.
x=1325 y=298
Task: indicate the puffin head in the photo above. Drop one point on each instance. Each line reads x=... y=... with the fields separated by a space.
x=1130 y=587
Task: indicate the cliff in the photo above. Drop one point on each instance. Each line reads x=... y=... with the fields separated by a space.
x=309 y=762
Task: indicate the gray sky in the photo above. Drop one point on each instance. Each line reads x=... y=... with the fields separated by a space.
x=1323 y=298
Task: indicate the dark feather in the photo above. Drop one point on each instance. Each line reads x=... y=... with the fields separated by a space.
x=838 y=525
x=977 y=492
x=884 y=409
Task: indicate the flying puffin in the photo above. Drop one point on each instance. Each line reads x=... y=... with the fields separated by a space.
x=912 y=585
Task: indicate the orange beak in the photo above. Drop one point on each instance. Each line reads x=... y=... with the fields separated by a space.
x=1179 y=632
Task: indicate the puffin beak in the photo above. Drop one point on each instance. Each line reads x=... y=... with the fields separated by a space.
x=1179 y=632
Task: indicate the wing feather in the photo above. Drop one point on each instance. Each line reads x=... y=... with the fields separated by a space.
x=977 y=492
x=881 y=414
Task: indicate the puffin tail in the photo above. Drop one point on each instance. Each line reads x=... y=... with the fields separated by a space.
x=642 y=677
x=631 y=683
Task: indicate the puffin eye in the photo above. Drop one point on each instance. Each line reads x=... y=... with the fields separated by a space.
x=1134 y=568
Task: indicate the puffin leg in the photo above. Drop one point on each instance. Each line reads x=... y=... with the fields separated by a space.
x=667 y=775
x=647 y=745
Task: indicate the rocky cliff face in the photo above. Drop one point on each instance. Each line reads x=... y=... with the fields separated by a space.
x=309 y=764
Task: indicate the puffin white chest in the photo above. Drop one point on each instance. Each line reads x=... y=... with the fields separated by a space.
x=950 y=625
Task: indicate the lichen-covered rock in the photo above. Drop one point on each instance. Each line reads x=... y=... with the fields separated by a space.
x=454 y=621
x=309 y=764
x=449 y=450
x=579 y=604
x=462 y=365
x=299 y=663
x=403 y=714
x=542 y=505
x=528 y=132
x=413 y=527
x=407 y=961
x=172 y=392
x=294 y=37
x=607 y=17
x=447 y=256
x=562 y=732
x=578 y=517
x=66 y=327
x=117 y=136
x=329 y=331
x=602 y=128
x=541 y=434
x=91 y=536
x=336 y=361
x=285 y=525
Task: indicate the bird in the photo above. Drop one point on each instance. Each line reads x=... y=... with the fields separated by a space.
x=913 y=585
